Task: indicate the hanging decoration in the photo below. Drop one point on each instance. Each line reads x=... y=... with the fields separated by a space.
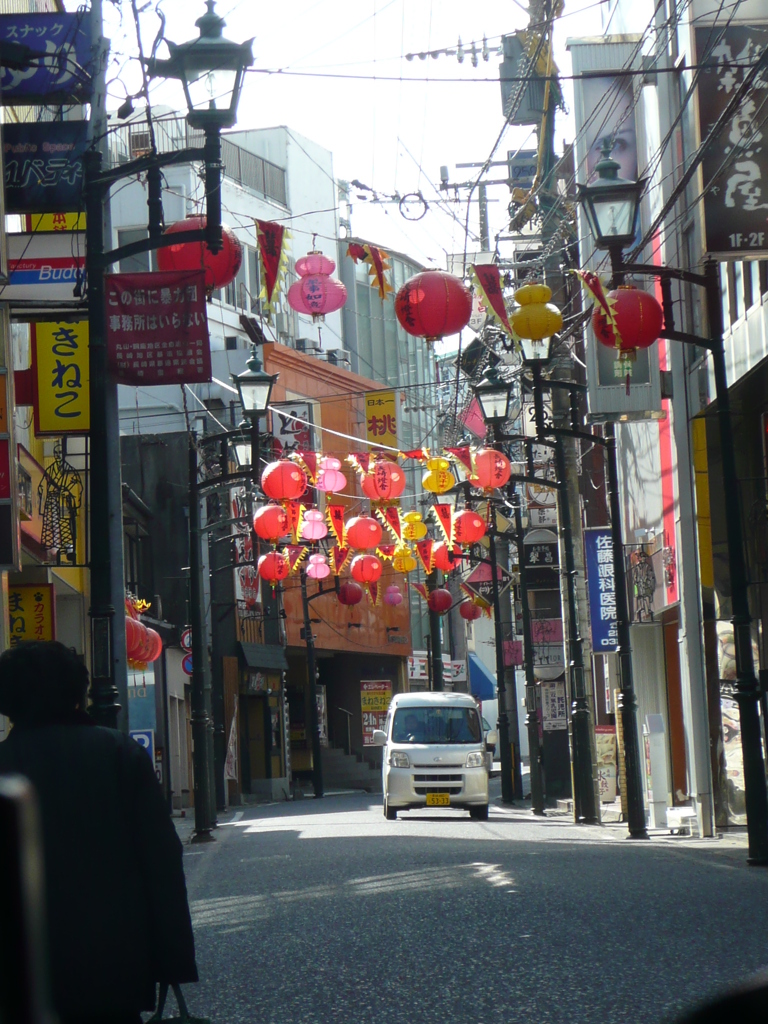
x=350 y=593
x=295 y=553
x=462 y=455
x=335 y=517
x=313 y=526
x=424 y=551
x=445 y=557
x=490 y=469
x=318 y=568
x=535 y=317
x=421 y=589
x=438 y=477
x=433 y=304
x=378 y=265
x=403 y=560
x=330 y=478
x=283 y=481
x=470 y=611
x=444 y=516
x=273 y=253
x=366 y=568
x=390 y=517
x=273 y=566
x=374 y=589
x=295 y=512
x=468 y=527
x=220 y=268
x=338 y=557
x=393 y=595
x=487 y=280
x=271 y=522
x=386 y=550
x=415 y=528
x=360 y=460
x=308 y=462
x=316 y=292
x=362 y=533
x=440 y=600
x=385 y=481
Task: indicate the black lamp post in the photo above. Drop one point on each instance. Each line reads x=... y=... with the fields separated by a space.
x=188 y=63
x=747 y=688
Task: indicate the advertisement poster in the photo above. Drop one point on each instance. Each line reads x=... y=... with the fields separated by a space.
x=292 y=427
x=601 y=588
x=375 y=697
x=735 y=166
x=30 y=613
x=607 y=761
x=554 y=706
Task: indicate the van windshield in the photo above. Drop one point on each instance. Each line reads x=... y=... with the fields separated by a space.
x=436 y=725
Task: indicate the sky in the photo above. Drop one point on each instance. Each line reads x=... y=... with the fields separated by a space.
x=336 y=71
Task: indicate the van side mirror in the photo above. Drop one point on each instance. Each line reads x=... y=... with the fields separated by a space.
x=491 y=738
x=379 y=737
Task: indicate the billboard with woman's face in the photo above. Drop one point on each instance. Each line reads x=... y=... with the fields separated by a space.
x=609 y=104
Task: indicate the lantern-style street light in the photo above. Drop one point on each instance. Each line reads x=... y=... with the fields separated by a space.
x=200 y=60
x=254 y=386
x=747 y=689
x=495 y=396
x=612 y=203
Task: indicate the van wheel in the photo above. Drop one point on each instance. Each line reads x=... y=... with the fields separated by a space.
x=390 y=813
x=479 y=813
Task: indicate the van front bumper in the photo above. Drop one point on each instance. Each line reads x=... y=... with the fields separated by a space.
x=408 y=787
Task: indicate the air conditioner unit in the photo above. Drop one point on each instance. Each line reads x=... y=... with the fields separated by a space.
x=307 y=345
x=338 y=357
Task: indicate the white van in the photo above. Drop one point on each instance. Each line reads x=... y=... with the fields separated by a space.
x=434 y=754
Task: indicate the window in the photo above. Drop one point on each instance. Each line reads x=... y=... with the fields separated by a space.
x=234 y=293
x=141 y=262
x=230 y=342
x=254 y=279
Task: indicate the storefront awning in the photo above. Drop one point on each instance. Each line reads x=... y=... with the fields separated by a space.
x=482 y=682
x=267 y=657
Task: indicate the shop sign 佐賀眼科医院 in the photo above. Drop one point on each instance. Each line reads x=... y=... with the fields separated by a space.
x=61 y=378
x=157 y=328
x=375 y=698
x=735 y=165
x=56 y=54
x=43 y=165
x=30 y=613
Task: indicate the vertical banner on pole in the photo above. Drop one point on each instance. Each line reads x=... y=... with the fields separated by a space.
x=601 y=588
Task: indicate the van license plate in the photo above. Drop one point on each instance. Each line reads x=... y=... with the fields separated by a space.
x=438 y=800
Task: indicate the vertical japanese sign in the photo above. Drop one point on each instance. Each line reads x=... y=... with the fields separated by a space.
x=381 y=418
x=63 y=71
x=61 y=379
x=30 y=613
x=735 y=166
x=375 y=697
x=601 y=586
x=157 y=328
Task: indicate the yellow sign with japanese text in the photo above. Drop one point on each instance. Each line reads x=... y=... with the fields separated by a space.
x=30 y=613
x=55 y=222
x=62 y=394
x=381 y=418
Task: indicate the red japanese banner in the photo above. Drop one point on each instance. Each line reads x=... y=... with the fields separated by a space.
x=361 y=462
x=462 y=455
x=335 y=516
x=378 y=265
x=390 y=516
x=273 y=257
x=373 y=591
x=424 y=551
x=444 y=516
x=386 y=550
x=593 y=286
x=338 y=558
x=416 y=453
x=307 y=461
x=294 y=510
x=487 y=280
x=421 y=588
x=295 y=553
x=157 y=328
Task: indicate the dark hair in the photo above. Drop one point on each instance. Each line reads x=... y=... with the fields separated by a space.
x=41 y=681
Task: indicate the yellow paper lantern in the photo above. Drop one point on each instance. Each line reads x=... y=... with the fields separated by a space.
x=403 y=560
x=438 y=478
x=535 y=317
x=414 y=528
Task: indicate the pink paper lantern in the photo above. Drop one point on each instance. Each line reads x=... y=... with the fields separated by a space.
x=330 y=478
x=316 y=292
x=318 y=567
x=313 y=526
x=393 y=595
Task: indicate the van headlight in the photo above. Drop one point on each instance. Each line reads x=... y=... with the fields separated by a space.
x=399 y=760
x=476 y=759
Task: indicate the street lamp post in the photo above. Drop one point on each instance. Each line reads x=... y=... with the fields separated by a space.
x=614 y=233
x=187 y=63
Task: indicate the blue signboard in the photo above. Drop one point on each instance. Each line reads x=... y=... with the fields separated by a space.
x=44 y=166
x=601 y=586
x=56 y=59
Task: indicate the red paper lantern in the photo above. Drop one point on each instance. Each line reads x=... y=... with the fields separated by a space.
x=366 y=568
x=350 y=593
x=492 y=469
x=316 y=293
x=639 y=320
x=283 y=481
x=440 y=600
x=271 y=522
x=220 y=268
x=388 y=480
x=273 y=566
x=433 y=304
x=470 y=611
x=468 y=527
x=134 y=637
x=443 y=557
x=155 y=646
x=362 y=532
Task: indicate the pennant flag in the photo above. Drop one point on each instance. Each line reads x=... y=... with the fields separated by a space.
x=294 y=510
x=487 y=280
x=360 y=460
x=373 y=592
x=386 y=550
x=308 y=462
x=416 y=453
x=338 y=558
x=378 y=265
x=295 y=553
x=462 y=455
x=273 y=251
x=424 y=551
x=390 y=517
x=481 y=603
x=356 y=252
x=335 y=516
x=591 y=284
x=444 y=516
x=421 y=588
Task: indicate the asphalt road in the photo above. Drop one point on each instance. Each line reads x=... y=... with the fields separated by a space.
x=314 y=912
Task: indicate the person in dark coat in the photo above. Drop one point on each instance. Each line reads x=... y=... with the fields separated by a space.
x=118 y=920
